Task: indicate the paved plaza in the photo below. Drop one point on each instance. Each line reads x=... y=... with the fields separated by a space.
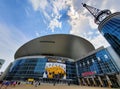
x=50 y=86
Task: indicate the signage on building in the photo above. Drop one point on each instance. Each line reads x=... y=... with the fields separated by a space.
x=55 y=70
x=88 y=73
x=56 y=60
x=30 y=79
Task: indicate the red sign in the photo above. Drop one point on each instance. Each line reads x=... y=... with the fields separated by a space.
x=88 y=73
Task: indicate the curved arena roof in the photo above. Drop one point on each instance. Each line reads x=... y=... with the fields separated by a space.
x=63 y=45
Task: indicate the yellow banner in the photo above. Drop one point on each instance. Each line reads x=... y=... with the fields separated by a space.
x=30 y=79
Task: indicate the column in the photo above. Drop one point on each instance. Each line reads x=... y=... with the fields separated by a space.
x=77 y=73
x=100 y=80
x=118 y=78
x=108 y=80
x=80 y=81
x=88 y=82
x=84 y=83
x=94 y=81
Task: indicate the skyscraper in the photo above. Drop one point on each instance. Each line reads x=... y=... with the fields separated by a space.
x=108 y=25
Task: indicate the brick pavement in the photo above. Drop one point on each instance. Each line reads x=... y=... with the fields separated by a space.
x=57 y=86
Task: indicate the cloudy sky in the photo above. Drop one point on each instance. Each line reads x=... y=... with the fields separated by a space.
x=24 y=20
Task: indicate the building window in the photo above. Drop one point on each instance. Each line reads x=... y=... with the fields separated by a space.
x=105 y=56
x=98 y=58
x=80 y=65
x=88 y=62
x=93 y=60
x=83 y=64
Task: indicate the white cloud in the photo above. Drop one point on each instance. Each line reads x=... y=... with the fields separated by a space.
x=39 y=4
x=54 y=23
x=81 y=27
x=51 y=11
x=37 y=34
x=11 y=39
x=99 y=41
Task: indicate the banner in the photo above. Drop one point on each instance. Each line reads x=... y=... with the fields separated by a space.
x=55 y=70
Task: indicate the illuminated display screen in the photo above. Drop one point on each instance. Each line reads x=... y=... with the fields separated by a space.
x=55 y=70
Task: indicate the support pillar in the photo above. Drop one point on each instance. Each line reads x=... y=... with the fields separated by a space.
x=118 y=78
x=100 y=80
x=88 y=82
x=84 y=83
x=94 y=81
x=81 y=82
x=109 y=81
x=77 y=74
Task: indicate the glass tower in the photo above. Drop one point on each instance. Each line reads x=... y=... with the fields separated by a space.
x=110 y=28
x=108 y=25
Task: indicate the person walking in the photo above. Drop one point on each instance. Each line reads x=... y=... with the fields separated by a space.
x=36 y=83
x=7 y=83
x=14 y=83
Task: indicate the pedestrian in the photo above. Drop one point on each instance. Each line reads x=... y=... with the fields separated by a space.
x=14 y=83
x=36 y=83
x=3 y=83
x=19 y=83
x=68 y=83
x=7 y=83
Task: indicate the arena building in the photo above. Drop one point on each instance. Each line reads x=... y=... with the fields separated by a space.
x=64 y=58
x=49 y=58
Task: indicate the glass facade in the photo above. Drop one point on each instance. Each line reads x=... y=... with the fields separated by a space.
x=70 y=70
x=111 y=31
x=96 y=64
x=42 y=68
x=50 y=69
x=98 y=69
x=27 y=68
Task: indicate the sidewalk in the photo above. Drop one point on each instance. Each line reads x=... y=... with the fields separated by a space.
x=50 y=86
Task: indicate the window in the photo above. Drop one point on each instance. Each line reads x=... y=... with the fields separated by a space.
x=98 y=58
x=105 y=56
x=83 y=64
x=93 y=60
x=80 y=65
x=88 y=62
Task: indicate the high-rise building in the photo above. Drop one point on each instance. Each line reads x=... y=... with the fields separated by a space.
x=109 y=25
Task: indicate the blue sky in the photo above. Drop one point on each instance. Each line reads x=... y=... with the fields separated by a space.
x=24 y=20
